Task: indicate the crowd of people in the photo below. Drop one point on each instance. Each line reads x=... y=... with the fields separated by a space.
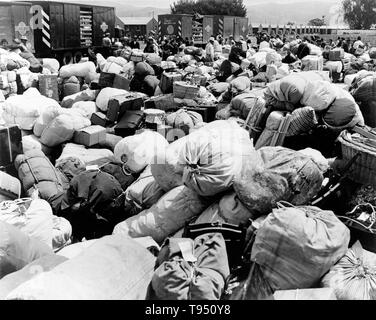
x=172 y=45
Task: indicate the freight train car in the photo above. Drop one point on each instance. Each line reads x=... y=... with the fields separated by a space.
x=55 y=29
x=179 y=25
x=223 y=25
x=240 y=27
x=201 y=28
x=14 y=22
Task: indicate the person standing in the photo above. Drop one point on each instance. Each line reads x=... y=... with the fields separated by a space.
x=134 y=44
x=217 y=48
x=358 y=43
x=209 y=49
x=151 y=47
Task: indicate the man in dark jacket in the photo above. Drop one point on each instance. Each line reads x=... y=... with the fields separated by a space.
x=134 y=44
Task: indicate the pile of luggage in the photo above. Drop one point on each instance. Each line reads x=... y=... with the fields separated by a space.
x=182 y=179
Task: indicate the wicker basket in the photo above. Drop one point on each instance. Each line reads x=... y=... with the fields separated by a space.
x=364 y=169
x=184 y=90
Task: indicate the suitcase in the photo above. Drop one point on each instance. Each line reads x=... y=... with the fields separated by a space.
x=162 y=102
x=119 y=104
x=137 y=57
x=167 y=81
x=121 y=82
x=207 y=112
x=47 y=85
x=106 y=79
x=99 y=119
x=129 y=123
x=10 y=145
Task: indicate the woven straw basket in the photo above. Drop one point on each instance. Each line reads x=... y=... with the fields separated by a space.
x=364 y=169
x=185 y=90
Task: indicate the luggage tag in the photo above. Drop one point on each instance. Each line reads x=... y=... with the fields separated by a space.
x=92 y=168
x=363 y=217
x=186 y=248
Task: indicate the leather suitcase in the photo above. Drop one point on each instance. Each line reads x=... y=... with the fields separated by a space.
x=10 y=144
x=106 y=79
x=129 y=123
x=118 y=105
x=167 y=81
x=121 y=82
x=99 y=119
x=47 y=86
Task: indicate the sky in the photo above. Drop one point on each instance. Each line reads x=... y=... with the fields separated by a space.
x=166 y=3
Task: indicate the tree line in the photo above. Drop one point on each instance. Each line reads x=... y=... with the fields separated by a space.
x=358 y=14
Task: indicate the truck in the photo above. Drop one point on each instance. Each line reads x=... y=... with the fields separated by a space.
x=58 y=30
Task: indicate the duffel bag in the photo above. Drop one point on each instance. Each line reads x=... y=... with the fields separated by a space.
x=184 y=271
x=33 y=217
x=296 y=246
x=143 y=193
x=162 y=220
x=138 y=151
x=90 y=204
x=124 y=267
x=36 y=172
x=18 y=249
x=43 y=264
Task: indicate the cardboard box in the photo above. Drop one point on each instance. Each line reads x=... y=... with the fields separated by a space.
x=90 y=136
x=48 y=86
x=99 y=119
x=121 y=82
x=118 y=105
x=306 y=294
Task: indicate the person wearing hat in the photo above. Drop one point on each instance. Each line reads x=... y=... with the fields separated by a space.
x=134 y=44
x=25 y=42
x=151 y=47
x=209 y=49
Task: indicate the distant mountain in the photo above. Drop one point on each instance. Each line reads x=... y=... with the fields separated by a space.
x=276 y=12
x=298 y=12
